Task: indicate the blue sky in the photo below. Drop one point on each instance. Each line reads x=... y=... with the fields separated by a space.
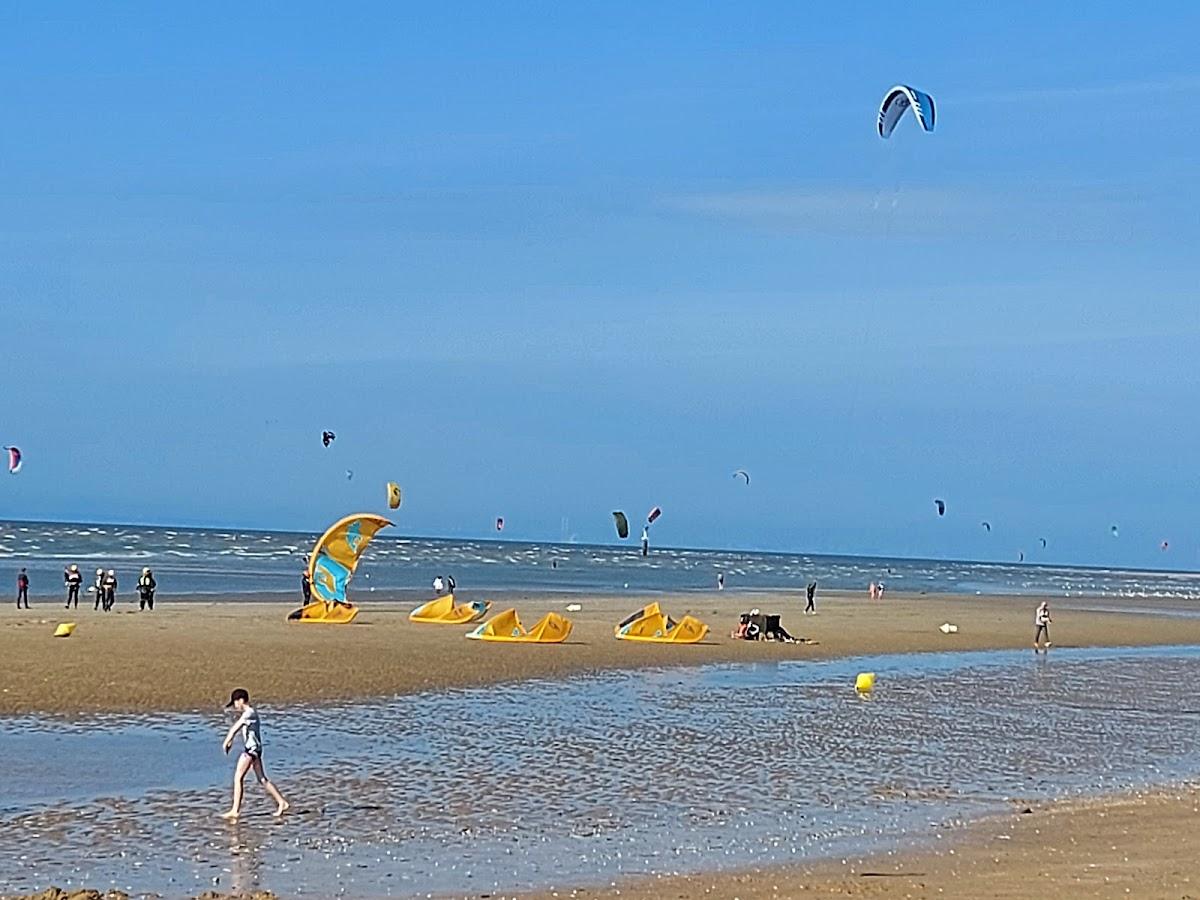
x=545 y=262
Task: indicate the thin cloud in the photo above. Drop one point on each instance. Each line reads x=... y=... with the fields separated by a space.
x=1047 y=213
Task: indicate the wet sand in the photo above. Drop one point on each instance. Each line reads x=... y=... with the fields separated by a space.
x=1136 y=846
x=187 y=656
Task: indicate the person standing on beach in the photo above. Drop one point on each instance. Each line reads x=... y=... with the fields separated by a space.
x=146 y=587
x=439 y=586
x=248 y=726
x=110 y=590
x=73 y=579
x=1041 y=619
x=812 y=597
x=645 y=541
x=720 y=581
x=22 y=589
x=98 y=587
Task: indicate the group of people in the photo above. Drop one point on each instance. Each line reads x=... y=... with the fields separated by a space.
x=443 y=585
x=104 y=587
x=876 y=590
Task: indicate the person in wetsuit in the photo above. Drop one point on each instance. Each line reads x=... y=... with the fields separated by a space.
x=73 y=579
x=146 y=587
x=22 y=589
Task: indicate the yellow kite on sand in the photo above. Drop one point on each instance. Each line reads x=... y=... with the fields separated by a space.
x=653 y=626
x=65 y=629
x=331 y=566
x=444 y=611
x=552 y=628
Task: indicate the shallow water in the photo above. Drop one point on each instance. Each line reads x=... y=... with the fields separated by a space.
x=590 y=779
x=202 y=561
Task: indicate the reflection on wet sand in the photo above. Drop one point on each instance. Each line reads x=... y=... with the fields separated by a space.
x=592 y=779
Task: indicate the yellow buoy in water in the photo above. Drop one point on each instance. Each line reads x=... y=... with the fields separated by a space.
x=864 y=682
x=65 y=629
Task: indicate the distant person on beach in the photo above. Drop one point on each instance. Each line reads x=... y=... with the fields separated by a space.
x=811 y=607
x=98 y=587
x=1041 y=619
x=146 y=587
x=439 y=586
x=450 y=585
x=110 y=590
x=645 y=542
x=247 y=725
x=720 y=581
x=22 y=589
x=879 y=589
x=872 y=590
x=73 y=579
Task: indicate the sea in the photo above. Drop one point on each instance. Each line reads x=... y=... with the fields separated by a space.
x=200 y=562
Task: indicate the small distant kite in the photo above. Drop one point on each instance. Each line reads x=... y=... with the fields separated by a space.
x=1165 y=546
x=742 y=473
x=349 y=474
x=653 y=515
x=393 y=495
x=499 y=523
x=14 y=460
x=328 y=437
x=1114 y=531
x=941 y=506
x=622 y=524
x=897 y=102
x=988 y=526
x=1042 y=541
x=1020 y=556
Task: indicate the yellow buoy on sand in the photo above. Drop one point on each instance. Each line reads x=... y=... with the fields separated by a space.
x=65 y=629
x=864 y=682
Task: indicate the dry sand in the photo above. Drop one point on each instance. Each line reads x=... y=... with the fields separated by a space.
x=188 y=655
x=1142 y=846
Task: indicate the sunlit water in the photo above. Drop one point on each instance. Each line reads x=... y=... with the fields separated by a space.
x=582 y=781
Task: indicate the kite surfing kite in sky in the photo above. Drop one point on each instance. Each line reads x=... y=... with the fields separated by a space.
x=328 y=437
x=742 y=473
x=622 y=524
x=14 y=460
x=941 y=506
x=987 y=525
x=393 y=493
x=499 y=523
x=653 y=515
x=900 y=100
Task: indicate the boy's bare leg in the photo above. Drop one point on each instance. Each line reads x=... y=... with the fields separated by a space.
x=281 y=805
x=239 y=774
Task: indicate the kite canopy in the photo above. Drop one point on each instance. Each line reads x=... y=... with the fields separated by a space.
x=444 y=611
x=653 y=626
x=653 y=515
x=14 y=460
x=897 y=102
x=1042 y=541
x=393 y=494
x=505 y=627
x=742 y=473
x=328 y=437
x=987 y=525
x=622 y=524
x=941 y=506
x=499 y=523
x=336 y=555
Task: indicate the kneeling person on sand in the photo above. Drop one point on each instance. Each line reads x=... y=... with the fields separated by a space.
x=251 y=756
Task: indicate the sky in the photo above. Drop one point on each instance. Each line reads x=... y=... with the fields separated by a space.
x=544 y=261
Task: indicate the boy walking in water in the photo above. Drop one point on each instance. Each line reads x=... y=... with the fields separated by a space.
x=1042 y=620
x=251 y=756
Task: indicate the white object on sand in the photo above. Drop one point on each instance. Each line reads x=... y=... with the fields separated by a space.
x=573 y=607
x=947 y=628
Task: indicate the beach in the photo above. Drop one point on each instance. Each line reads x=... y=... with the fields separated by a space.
x=188 y=655
x=1141 y=846
x=430 y=695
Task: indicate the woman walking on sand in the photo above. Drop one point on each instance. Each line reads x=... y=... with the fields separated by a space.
x=1042 y=620
x=247 y=725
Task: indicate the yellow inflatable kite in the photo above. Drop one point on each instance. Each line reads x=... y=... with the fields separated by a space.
x=651 y=625
x=551 y=629
x=444 y=611
x=332 y=565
